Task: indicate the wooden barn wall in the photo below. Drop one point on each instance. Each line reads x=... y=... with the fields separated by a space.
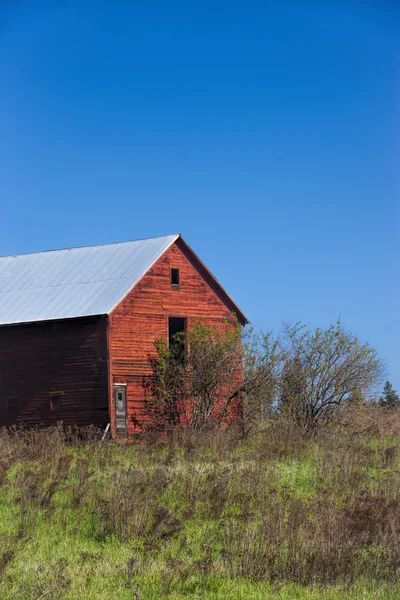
x=142 y=317
x=57 y=356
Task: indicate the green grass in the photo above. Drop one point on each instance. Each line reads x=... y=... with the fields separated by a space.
x=266 y=519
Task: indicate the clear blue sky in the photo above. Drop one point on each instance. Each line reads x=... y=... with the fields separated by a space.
x=267 y=133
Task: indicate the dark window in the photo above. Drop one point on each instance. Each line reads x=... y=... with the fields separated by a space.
x=12 y=407
x=176 y=329
x=175 y=276
x=56 y=402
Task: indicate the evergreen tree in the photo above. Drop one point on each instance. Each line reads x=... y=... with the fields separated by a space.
x=390 y=398
x=356 y=397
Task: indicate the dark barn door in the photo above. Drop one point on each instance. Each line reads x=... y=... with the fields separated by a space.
x=121 y=426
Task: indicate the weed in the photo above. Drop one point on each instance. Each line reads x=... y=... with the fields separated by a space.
x=197 y=514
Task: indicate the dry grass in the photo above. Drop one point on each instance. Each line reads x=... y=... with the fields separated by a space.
x=195 y=510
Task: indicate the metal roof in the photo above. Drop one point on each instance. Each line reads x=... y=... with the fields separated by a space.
x=78 y=282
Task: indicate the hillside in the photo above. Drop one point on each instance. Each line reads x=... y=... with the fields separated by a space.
x=277 y=516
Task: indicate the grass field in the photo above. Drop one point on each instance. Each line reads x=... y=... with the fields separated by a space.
x=276 y=516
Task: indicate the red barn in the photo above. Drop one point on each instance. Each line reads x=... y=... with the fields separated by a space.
x=77 y=325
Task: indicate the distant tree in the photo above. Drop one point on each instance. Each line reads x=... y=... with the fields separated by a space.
x=390 y=398
x=356 y=398
x=261 y=366
x=292 y=389
x=321 y=370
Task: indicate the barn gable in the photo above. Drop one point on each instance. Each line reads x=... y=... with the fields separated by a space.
x=151 y=311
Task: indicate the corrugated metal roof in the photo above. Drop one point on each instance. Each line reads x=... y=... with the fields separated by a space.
x=78 y=282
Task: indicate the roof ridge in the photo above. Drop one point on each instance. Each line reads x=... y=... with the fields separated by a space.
x=155 y=237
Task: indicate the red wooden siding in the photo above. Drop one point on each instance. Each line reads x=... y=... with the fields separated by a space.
x=142 y=317
x=66 y=356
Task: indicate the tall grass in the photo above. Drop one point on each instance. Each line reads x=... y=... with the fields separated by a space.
x=202 y=516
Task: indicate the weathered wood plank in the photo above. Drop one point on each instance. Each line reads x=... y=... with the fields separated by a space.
x=66 y=356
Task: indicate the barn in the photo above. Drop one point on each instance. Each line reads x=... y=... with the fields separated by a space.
x=77 y=326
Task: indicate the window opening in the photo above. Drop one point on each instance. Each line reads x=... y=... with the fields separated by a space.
x=176 y=340
x=175 y=276
x=56 y=402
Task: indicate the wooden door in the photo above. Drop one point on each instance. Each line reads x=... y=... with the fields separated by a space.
x=121 y=425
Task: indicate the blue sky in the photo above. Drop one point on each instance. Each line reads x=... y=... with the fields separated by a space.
x=265 y=132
